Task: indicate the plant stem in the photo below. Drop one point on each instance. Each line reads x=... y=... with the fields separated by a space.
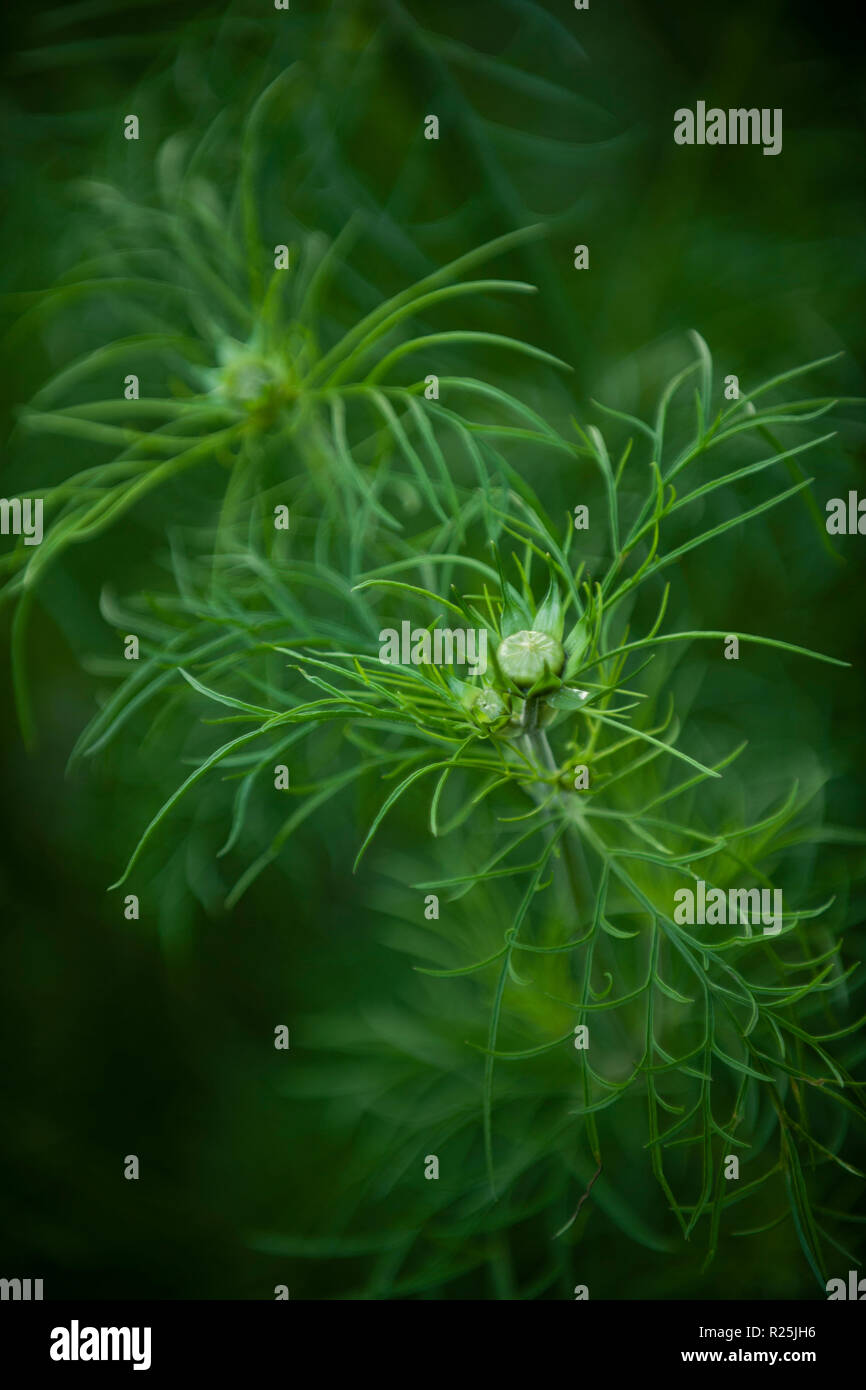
x=574 y=871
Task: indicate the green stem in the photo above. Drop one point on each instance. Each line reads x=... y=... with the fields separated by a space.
x=576 y=883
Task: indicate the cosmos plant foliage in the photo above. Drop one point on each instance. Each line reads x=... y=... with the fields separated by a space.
x=567 y=751
x=250 y=380
x=730 y=1034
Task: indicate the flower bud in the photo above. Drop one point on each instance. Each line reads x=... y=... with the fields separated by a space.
x=487 y=705
x=526 y=657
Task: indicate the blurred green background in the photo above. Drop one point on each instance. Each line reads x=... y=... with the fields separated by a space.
x=155 y=1037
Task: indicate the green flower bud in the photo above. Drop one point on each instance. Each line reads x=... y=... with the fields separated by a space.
x=526 y=657
x=247 y=381
x=487 y=705
x=247 y=376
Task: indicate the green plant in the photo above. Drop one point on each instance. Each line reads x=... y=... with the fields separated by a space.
x=522 y=834
x=255 y=372
x=720 y=1036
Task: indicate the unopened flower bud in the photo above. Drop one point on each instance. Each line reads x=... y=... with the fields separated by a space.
x=487 y=705
x=526 y=657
